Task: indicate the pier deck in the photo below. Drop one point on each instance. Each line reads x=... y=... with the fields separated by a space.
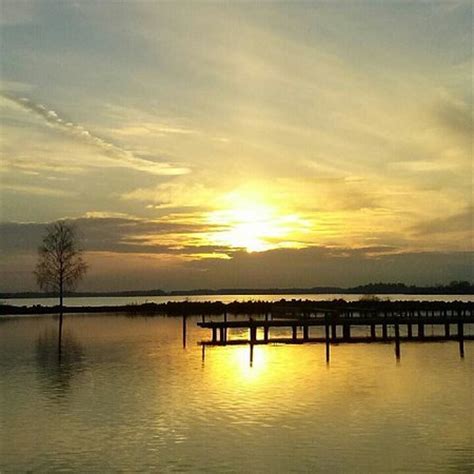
x=338 y=323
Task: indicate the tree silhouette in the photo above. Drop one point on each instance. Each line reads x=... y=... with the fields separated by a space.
x=60 y=265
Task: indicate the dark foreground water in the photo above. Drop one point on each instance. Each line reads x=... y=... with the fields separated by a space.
x=127 y=396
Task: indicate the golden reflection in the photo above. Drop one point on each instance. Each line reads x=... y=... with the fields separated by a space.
x=231 y=369
x=285 y=367
x=249 y=364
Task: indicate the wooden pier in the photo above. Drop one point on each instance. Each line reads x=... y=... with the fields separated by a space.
x=335 y=326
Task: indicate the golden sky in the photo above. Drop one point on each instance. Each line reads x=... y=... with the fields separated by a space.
x=188 y=133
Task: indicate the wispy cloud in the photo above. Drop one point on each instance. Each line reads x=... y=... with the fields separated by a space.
x=145 y=129
x=460 y=222
x=36 y=190
x=119 y=155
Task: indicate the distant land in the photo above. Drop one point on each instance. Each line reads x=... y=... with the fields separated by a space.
x=453 y=288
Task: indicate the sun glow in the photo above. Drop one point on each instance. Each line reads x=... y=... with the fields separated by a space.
x=254 y=226
x=249 y=368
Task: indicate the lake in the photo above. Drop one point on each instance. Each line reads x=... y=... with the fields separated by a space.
x=126 y=396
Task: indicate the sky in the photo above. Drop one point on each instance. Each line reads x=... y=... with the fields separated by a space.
x=238 y=144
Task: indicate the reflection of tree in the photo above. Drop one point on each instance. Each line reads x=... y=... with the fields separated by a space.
x=58 y=368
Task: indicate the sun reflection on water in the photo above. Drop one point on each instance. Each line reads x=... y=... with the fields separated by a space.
x=250 y=364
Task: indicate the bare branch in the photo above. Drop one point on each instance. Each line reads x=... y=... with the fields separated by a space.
x=60 y=265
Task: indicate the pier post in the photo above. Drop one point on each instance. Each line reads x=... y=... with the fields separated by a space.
x=184 y=330
x=253 y=334
x=305 y=332
x=214 y=334
x=373 y=334
x=266 y=330
x=328 y=342
x=397 y=340
x=446 y=329
x=409 y=331
x=334 y=331
x=421 y=330
x=346 y=331
x=294 y=332
x=222 y=335
x=461 y=339
x=384 y=331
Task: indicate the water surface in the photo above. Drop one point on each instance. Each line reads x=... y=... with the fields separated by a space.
x=127 y=396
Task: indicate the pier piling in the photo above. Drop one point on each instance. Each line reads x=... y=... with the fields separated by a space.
x=305 y=332
x=461 y=339
x=184 y=330
x=397 y=340
x=253 y=334
x=328 y=342
x=346 y=331
x=346 y=318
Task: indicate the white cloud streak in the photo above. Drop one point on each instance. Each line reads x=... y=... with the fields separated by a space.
x=120 y=156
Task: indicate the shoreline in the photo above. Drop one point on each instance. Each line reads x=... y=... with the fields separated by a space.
x=196 y=308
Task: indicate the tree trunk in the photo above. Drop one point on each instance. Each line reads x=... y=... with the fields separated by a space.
x=60 y=335
x=61 y=295
x=60 y=318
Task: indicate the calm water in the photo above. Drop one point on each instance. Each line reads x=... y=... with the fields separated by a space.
x=122 y=300
x=127 y=397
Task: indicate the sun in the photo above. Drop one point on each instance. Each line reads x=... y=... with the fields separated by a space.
x=251 y=224
x=246 y=227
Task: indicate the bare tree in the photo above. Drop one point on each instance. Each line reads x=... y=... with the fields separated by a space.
x=60 y=265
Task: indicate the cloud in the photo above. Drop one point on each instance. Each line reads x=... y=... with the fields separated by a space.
x=363 y=140
x=176 y=193
x=18 y=12
x=118 y=155
x=15 y=86
x=36 y=190
x=333 y=266
x=117 y=234
x=460 y=222
x=126 y=253
x=154 y=129
x=456 y=116
x=423 y=166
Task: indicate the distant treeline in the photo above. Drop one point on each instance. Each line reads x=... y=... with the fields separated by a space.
x=453 y=288
x=185 y=308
